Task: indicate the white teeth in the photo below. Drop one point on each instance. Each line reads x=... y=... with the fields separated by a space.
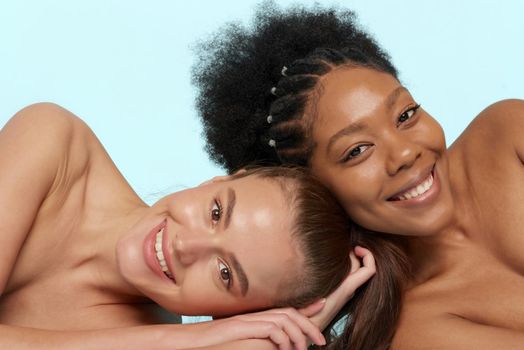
x=418 y=190
x=160 y=254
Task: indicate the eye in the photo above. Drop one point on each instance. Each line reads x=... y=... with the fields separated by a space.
x=224 y=273
x=405 y=116
x=216 y=212
x=355 y=152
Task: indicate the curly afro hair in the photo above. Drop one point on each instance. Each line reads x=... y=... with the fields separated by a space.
x=255 y=87
x=238 y=67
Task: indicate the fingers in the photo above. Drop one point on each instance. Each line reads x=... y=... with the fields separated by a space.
x=313 y=308
x=296 y=327
x=306 y=327
x=366 y=256
x=355 y=262
x=264 y=330
x=362 y=269
x=362 y=273
x=367 y=259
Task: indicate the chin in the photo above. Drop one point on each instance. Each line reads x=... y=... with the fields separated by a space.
x=130 y=259
x=432 y=225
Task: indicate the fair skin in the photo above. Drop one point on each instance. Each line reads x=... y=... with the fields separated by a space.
x=218 y=267
x=80 y=267
x=460 y=208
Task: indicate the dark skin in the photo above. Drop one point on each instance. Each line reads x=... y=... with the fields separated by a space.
x=460 y=208
x=463 y=226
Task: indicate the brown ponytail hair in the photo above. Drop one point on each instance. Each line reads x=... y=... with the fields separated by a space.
x=325 y=237
x=374 y=310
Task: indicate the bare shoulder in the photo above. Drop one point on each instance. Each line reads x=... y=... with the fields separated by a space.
x=502 y=116
x=43 y=146
x=499 y=127
x=52 y=131
x=45 y=120
x=427 y=325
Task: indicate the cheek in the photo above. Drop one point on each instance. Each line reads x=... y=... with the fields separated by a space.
x=205 y=299
x=434 y=135
x=199 y=296
x=357 y=189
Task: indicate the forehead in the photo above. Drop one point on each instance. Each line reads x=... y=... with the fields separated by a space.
x=267 y=195
x=262 y=227
x=352 y=92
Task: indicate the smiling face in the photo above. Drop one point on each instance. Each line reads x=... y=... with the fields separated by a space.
x=218 y=249
x=380 y=153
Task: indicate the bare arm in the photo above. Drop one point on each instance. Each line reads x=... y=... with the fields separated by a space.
x=264 y=331
x=139 y=338
x=359 y=274
x=33 y=149
x=41 y=146
x=251 y=344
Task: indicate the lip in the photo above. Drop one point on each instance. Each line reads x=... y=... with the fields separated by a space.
x=150 y=253
x=423 y=199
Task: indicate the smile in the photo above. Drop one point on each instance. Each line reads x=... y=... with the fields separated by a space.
x=415 y=191
x=160 y=255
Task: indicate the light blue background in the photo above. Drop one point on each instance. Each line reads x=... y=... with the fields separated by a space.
x=124 y=67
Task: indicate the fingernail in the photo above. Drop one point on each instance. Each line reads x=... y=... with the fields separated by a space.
x=322 y=341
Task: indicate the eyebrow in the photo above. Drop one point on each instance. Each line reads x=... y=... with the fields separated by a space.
x=231 y=201
x=239 y=271
x=242 y=277
x=393 y=96
x=351 y=128
x=359 y=126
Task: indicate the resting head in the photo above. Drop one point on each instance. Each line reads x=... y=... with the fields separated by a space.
x=258 y=239
x=307 y=86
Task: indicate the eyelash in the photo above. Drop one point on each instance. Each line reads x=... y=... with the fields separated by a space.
x=348 y=155
x=412 y=109
x=222 y=266
x=216 y=209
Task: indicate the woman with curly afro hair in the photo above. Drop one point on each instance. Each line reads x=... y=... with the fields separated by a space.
x=309 y=87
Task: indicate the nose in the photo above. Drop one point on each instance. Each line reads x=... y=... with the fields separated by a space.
x=402 y=154
x=189 y=247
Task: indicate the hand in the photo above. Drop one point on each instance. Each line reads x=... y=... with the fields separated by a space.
x=285 y=327
x=360 y=273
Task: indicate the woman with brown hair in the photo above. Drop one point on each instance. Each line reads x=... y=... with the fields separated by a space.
x=84 y=258
x=309 y=87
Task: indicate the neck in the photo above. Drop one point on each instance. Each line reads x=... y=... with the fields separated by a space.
x=98 y=255
x=434 y=256
x=437 y=254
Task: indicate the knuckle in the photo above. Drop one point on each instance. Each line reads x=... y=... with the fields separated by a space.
x=283 y=318
x=273 y=327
